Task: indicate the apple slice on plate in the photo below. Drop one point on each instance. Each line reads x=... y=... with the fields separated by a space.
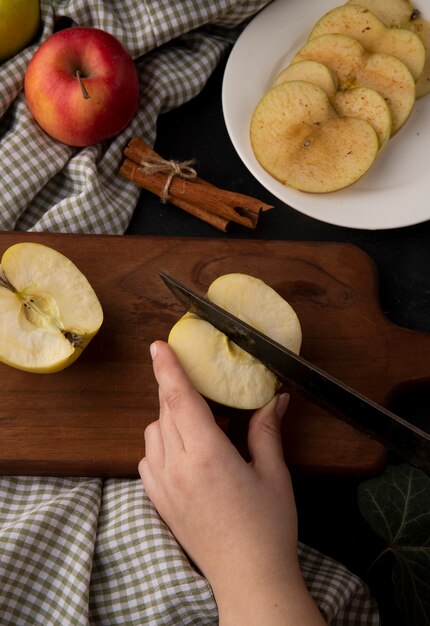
x=218 y=368
x=391 y=12
x=422 y=28
x=402 y=14
x=48 y=310
x=313 y=72
x=354 y=67
x=361 y=102
x=369 y=105
x=299 y=139
x=363 y=26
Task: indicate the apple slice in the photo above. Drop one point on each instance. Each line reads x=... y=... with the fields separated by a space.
x=397 y=13
x=422 y=29
x=299 y=139
x=402 y=14
x=48 y=310
x=218 y=368
x=369 y=105
x=355 y=67
x=313 y=72
x=363 y=26
x=359 y=102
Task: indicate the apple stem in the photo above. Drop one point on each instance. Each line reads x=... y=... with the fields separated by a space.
x=85 y=93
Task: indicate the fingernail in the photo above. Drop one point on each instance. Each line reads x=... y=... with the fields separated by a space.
x=282 y=403
x=153 y=350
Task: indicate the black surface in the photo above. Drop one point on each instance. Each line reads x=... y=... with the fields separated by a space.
x=328 y=512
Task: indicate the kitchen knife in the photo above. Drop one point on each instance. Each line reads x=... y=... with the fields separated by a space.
x=393 y=431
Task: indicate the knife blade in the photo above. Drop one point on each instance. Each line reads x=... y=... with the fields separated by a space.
x=394 y=432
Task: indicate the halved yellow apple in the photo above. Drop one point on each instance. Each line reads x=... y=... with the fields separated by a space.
x=218 y=368
x=359 y=102
x=298 y=138
x=355 y=67
x=363 y=26
x=48 y=310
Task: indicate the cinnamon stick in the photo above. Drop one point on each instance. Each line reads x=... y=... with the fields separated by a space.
x=132 y=172
x=200 y=198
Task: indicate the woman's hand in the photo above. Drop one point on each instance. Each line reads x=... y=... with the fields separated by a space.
x=236 y=520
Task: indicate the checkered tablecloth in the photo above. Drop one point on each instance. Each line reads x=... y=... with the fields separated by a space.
x=79 y=551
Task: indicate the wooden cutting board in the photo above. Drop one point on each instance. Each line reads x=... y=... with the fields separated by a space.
x=90 y=418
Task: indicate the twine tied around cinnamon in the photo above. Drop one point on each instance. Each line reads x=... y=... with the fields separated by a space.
x=158 y=165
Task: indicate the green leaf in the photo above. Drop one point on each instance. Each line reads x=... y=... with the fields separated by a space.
x=396 y=504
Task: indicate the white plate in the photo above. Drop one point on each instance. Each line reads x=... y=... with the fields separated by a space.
x=395 y=192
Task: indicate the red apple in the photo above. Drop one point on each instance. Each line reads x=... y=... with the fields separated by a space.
x=81 y=86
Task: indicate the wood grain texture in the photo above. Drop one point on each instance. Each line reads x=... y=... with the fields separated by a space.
x=89 y=419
